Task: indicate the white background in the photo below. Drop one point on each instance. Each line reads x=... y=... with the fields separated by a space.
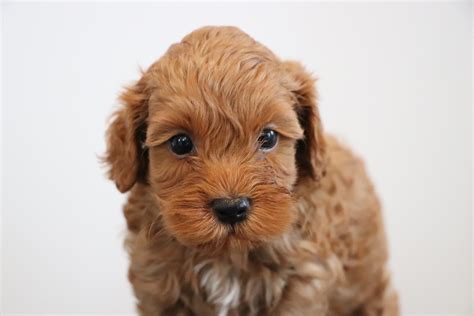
x=395 y=83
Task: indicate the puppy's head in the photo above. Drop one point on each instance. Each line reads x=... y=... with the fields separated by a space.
x=220 y=130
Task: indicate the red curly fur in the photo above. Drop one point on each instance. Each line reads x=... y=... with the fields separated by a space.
x=314 y=241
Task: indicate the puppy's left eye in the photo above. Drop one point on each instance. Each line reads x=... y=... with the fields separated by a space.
x=181 y=144
x=267 y=139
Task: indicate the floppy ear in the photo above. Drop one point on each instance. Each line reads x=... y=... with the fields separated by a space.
x=310 y=151
x=126 y=156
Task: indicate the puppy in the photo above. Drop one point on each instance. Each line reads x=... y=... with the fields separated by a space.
x=239 y=203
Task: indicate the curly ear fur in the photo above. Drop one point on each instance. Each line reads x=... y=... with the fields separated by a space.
x=126 y=156
x=310 y=151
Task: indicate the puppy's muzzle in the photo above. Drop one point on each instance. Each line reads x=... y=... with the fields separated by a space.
x=231 y=211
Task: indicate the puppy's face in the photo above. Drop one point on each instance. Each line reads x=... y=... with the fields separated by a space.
x=222 y=165
x=221 y=130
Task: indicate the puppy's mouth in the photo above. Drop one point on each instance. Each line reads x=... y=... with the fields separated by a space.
x=232 y=238
x=231 y=230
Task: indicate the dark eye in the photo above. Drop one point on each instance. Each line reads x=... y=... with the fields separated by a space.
x=181 y=144
x=267 y=139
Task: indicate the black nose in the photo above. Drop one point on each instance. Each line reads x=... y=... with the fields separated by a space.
x=231 y=211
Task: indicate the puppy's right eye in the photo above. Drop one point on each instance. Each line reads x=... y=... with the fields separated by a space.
x=268 y=139
x=181 y=144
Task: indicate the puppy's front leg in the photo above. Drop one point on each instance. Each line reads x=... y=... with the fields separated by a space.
x=383 y=301
x=302 y=297
x=155 y=298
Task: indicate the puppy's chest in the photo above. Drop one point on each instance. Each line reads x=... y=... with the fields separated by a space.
x=236 y=291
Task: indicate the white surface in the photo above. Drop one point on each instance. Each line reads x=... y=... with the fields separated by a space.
x=395 y=84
